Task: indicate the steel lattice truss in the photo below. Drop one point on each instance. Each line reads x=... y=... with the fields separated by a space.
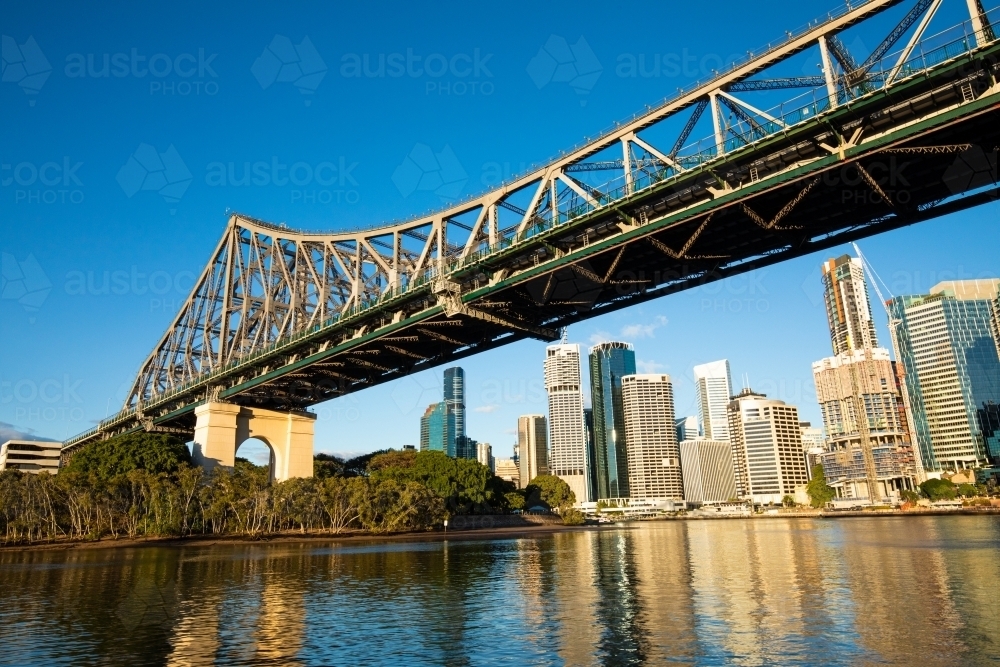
x=267 y=286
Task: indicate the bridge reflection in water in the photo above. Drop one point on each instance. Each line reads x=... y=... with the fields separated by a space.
x=783 y=592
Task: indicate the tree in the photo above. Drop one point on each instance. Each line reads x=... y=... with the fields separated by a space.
x=939 y=489
x=394 y=458
x=152 y=452
x=820 y=493
x=573 y=517
x=788 y=501
x=358 y=466
x=909 y=496
x=968 y=490
x=327 y=465
x=551 y=490
x=466 y=486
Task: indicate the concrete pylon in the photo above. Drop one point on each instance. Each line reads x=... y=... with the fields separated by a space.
x=221 y=428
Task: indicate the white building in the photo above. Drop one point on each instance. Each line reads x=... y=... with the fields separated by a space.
x=568 y=457
x=533 y=447
x=687 y=428
x=32 y=456
x=654 y=461
x=767 y=448
x=707 y=467
x=484 y=454
x=714 y=389
x=506 y=469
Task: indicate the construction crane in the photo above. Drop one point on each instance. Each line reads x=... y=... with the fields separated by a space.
x=875 y=279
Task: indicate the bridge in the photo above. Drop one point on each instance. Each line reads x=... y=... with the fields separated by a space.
x=281 y=320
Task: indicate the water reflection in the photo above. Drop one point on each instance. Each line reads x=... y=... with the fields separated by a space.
x=861 y=591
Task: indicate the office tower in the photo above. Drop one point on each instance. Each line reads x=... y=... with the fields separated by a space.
x=812 y=437
x=588 y=424
x=687 y=428
x=654 y=461
x=767 y=447
x=533 y=447
x=454 y=396
x=708 y=471
x=567 y=433
x=947 y=346
x=506 y=469
x=714 y=389
x=848 y=311
x=484 y=454
x=609 y=363
x=437 y=429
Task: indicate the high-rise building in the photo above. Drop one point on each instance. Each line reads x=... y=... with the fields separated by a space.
x=506 y=469
x=848 y=309
x=864 y=377
x=454 y=396
x=437 y=429
x=687 y=428
x=654 y=461
x=484 y=454
x=609 y=363
x=533 y=447
x=568 y=457
x=767 y=447
x=708 y=471
x=588 y=424
x=714 y=389
x=946 y=342
x=33 y=456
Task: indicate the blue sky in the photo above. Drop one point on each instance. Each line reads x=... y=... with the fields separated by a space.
x=196 y=91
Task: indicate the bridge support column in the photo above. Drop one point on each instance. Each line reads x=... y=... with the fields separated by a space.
x=221 y=428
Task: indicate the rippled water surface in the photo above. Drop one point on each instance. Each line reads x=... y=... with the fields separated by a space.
x=900 y=591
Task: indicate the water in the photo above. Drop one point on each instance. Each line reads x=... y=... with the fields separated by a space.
x=897 y=591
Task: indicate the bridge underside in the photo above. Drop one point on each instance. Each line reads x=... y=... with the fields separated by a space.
x=914 y=152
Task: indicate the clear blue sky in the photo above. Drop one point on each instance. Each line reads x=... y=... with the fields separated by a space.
x=106 y=248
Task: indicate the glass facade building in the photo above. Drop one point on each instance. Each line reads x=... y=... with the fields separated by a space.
x=437 y=429
x=947 y=344
x=454 y=396
x=609 y=363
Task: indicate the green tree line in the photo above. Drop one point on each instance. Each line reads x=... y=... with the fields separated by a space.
x=145 y=485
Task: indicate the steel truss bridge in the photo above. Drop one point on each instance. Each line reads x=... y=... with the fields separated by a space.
x=284 y=319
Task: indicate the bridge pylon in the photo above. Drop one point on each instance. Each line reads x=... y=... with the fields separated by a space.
x=221 y=428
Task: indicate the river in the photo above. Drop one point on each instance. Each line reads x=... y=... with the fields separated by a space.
x=900 y=591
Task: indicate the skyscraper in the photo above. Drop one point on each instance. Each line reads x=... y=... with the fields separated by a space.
x=947 y=344
x=437 y=429
x=687 y=428
x=767 y=447
x=567 y=433
x=454 y=396
x=609 y=363
x=588 y=423
x=848 y=309
x=654 y=460
x=714 y=389
x=533 y=446
x=708 y=471
x=484 y=454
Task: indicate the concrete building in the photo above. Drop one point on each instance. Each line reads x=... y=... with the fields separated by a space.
x=714 y=385
x=707 y=467
x=946 y=341
x=484 y=454
x=848 y=308
x=32 y=456
x=687 y=428
x=437 y=429
x=767 y=447
x=533 y=447
x=507 y=470
x=654 y=460
x=609 y=363
x=568 y=455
